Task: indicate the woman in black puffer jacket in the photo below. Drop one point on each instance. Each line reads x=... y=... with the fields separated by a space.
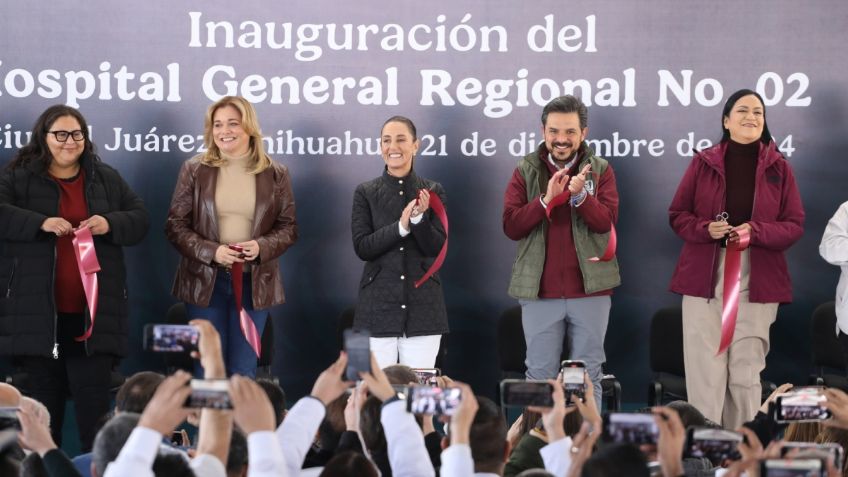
x=53 y=186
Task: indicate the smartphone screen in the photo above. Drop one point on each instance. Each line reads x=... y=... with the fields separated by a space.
x=209 y=393
x=171 y=338
x=358 y=348
x=634 y=428
x=791 y=468
x=426 y=399
x=178 y=438
x=804 y=450
x=9 y=419
x=521 y=393
x=717 y=445
x=427 y=375
x=572 y=379
x=800 y=407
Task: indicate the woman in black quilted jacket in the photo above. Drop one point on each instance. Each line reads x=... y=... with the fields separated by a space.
x=397 y=235
x=54 y=186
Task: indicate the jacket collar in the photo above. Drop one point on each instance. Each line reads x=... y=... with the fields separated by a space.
x=714 y=156
x=86 y=161
x=399 y=182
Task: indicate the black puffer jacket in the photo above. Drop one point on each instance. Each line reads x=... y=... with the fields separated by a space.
x=27 y=257
x=389 y=304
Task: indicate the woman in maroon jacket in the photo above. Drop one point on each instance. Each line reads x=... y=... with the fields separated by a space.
x=740 y=189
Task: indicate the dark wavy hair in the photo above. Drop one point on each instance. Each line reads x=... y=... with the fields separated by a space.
x=37 y=152
x=731 y=101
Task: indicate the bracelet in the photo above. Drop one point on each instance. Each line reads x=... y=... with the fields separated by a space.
x=577 y=200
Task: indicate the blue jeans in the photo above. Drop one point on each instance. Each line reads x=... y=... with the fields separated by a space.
x=239 y=357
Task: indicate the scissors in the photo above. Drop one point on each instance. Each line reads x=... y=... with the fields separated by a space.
x=722 y=217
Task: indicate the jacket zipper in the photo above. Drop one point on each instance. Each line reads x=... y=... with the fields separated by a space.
x=55 y=315
x=11 y=277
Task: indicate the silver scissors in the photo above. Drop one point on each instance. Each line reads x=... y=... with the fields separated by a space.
x=722 y=217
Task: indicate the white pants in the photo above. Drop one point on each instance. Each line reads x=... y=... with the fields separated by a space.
x=416 y=352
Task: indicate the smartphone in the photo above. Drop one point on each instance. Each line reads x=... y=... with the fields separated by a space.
x=9 y=419
x=237 y=248
x=426 y=399
x=630 y=427
x=804 y=450
x=209 y=393
x=717 y=445
x=803 y=406
x=427 y=375
x=171 y=338
x=521 y=393
x=357 y=344
x=572 y=379
x=178 y=438
x=792 y=468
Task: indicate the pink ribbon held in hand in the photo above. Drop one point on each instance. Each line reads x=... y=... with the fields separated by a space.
x=439 y=209
x=88 y=265
x=248 y=328
x=732 y=283
x=609 y=253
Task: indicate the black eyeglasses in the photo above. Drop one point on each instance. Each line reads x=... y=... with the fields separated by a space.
x=62 y=136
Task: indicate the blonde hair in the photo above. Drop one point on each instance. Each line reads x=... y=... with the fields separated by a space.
x=259 y=161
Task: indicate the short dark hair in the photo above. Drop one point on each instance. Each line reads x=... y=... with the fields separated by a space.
x=567 y=104
x=237 y=455
x=33 y=466
x=616 y=460
x=401 y=119
x=37 y=151
x=370 y=426
x=731 y=101
x=536 y=472
x=400 y=374
x=689 y=414
x=111 y=438
x=137 y=391
x=171 y=465
x=349 y=463
x=277 y=396
x=331 y=428
x=488 y=437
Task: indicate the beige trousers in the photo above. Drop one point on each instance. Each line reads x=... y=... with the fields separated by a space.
x=726 y=388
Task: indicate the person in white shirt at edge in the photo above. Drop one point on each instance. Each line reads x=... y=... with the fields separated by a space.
x=834 y=249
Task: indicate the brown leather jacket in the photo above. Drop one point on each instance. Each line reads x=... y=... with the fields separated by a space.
x=192 y=227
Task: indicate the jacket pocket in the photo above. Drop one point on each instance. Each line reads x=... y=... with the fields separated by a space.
x=369 y=275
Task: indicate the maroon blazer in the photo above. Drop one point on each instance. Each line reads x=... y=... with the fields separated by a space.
x=192 y=226
x=777 y=222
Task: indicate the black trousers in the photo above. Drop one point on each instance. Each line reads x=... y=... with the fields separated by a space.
x=85 y=379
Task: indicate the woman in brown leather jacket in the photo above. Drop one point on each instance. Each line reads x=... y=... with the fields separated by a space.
x=232 y=208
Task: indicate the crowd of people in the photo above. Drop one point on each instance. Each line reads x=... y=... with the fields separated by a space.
x=363 y=428
x=64 y=316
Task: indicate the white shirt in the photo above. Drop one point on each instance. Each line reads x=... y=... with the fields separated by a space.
x=408 y=455
x=834 y=249
x=296 y=433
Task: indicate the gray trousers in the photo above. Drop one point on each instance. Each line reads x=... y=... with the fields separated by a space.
x=545 y=321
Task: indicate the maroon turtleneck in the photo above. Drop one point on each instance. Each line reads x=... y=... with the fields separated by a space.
x=740 y=169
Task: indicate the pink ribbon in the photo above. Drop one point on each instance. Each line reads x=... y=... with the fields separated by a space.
x=88 y=266
x=439 y=209
x=732 y=284
x=609 y=253
x=248 y=328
